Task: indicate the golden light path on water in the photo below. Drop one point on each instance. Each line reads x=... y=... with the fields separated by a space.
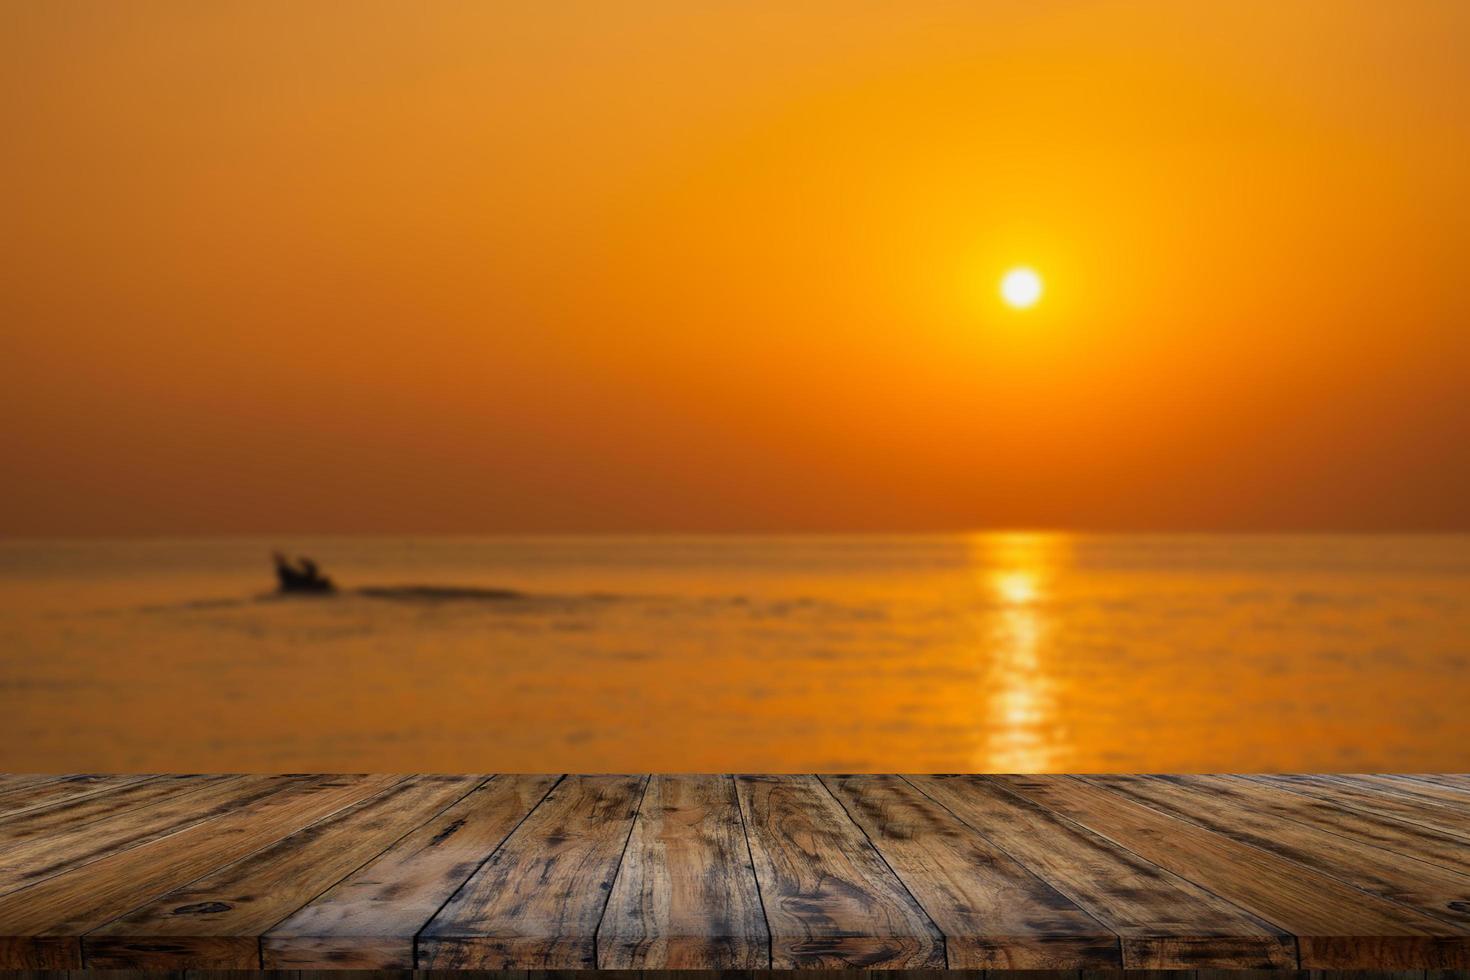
x=954 y=653
x=1022 y=723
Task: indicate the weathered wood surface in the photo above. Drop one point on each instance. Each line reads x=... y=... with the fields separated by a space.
x=1414 y=788
x=1163 y=921
x=368 y=920
x=993 y=912
x=1443 y=893
x=686 y=895
x=1371 y=799
x=1336 y=925
x=41 y=925
x=1450 y=779
x=736 y=975
x=61 y=844
x=831 y=900
x=27 y=793
x=215 y=922
x=537 y=902
x=1046 y=874
x=1389 y=833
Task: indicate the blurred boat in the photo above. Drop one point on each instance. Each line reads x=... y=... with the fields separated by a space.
x=301 y=576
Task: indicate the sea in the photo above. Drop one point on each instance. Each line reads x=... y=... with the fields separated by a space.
x=983 y=652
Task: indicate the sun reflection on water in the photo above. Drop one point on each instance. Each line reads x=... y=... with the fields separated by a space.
x=1016 y=587
x=1015 y=572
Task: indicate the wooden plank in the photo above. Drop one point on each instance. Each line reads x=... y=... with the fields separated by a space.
x=215 y=922
x=1165 y=921
x=41 y=823
x=368 y=920
x=1337 y=926
x=1454 y=780
x=1426 y=813
x=66 y=847
x=1449 y=796
x=57 y=789
x=40 y=953
x=685 y=897
x=1428 y=888
x=726 y=975
x=1018 y=873
x=994 y=913
x=41 y=925
x=1259 y=975
x=40 y=975
x=537 y=902
x=10 y=781
x=1401 y=837
x=830 y=900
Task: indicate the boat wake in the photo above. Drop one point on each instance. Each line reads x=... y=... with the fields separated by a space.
x=437 y=593
x=301 y=581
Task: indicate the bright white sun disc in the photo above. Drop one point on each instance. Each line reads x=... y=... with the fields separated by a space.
x=1021 y=288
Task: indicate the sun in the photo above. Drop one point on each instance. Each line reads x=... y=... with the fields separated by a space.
x=1020 y=287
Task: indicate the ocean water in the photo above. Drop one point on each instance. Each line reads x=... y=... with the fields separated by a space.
x=983 y=652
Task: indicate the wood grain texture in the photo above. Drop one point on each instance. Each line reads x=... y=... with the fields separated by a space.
x=1450 y=796
x=368 y=920
x=831 y=902
x=1390 y=833
x=215 y=921
x=98 y=803
x=1336 y=925
x=686 y=895
x=996 y=878
x=1164 y=920
x=1426 y=813
x=1454 y=780
x=44 y=922
x=538 y=900
x=994 y=913
x=174 y=806
x=18 y=783
x=31 y=792
x=1428 y=888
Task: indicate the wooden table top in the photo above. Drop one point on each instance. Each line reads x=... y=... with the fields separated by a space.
x=394 y=872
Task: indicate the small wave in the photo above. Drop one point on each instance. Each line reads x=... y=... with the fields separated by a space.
x=436 y=593
x=412 y=593
x=190 y=604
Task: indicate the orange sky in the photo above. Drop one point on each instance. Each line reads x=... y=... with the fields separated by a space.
x=679 y=265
